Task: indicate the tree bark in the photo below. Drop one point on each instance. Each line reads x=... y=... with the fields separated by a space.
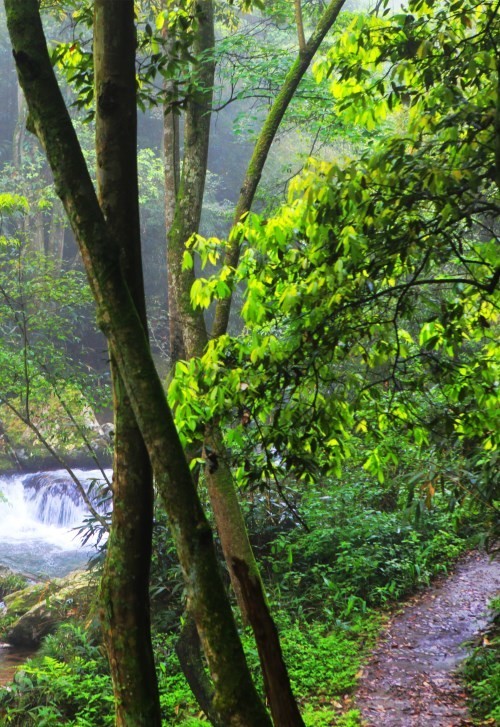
x=188 y=647
x=223 y=497
x=55 y=242
x=125 y=613
x=247 y=582
x=299 y=22
x=189 y=200
x=236 y=701
x=171 y=166
x=188 y=650
x=264 y=142
x=19 y=131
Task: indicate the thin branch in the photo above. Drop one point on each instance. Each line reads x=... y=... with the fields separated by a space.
x=29 y=423
x=264 y=142
x=299 y=20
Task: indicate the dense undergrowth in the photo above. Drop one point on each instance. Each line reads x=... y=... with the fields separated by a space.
x=481 y=673
x=365 y=546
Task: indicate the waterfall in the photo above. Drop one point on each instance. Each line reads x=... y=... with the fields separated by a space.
x=40 y=516
x=54 y=499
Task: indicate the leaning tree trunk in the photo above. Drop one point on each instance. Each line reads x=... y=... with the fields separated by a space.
x=125 y=612
x=238 y=553
x=264 y=143
x=236 y=701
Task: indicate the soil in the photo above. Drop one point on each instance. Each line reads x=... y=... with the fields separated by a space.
x=410 y=679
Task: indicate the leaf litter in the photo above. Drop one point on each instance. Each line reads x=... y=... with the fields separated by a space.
x=410 y=679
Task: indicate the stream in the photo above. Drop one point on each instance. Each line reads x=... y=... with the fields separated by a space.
x=10 y=659
x=41 y=514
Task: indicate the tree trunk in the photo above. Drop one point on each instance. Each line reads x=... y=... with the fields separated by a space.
x=125 y=613
x=37 y=232
x=188 y=647
x=236 y=701
x=188 y=650
x=247 y=582
x=223 y=497
x=19 y=131
x=189 y=200
x=55 y=241
x=171 y=166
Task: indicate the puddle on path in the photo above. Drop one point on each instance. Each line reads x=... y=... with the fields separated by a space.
x=409 y=680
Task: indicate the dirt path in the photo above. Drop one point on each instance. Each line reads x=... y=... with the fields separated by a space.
x=409 y=679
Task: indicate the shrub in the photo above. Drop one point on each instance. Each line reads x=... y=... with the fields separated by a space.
x=10 y=583
x=481 y=673
x=356 y=556
x=66 y=683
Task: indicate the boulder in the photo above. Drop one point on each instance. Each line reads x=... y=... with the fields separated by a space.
x=20 y=602
x=48 y=605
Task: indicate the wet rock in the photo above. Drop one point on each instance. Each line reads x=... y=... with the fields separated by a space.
x=30 y=629
x=108 y=431
x=43 y=607
x=20 y=602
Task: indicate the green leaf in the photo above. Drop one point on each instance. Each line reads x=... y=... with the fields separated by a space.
x=187 y=260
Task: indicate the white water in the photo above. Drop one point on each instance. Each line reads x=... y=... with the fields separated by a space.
x=40 y=514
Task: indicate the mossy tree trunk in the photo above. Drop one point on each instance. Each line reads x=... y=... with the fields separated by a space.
x=125 y=581
x=238 y=553
x=236 y=701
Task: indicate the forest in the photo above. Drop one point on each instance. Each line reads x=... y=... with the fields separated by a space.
x=249 y=371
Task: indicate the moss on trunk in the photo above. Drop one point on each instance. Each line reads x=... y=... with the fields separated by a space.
x=236 y=700
x=125 y=581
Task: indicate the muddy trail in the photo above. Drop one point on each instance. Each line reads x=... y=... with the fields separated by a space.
x=409 y=680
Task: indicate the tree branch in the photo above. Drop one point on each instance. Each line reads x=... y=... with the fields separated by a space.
x=300 y=25
x=264 y=142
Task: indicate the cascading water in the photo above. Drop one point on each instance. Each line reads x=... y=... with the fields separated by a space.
x=40 y=515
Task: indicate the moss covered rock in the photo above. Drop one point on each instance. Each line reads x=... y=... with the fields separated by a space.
x=42 y=607
x=10 y=581
x=20 y=602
